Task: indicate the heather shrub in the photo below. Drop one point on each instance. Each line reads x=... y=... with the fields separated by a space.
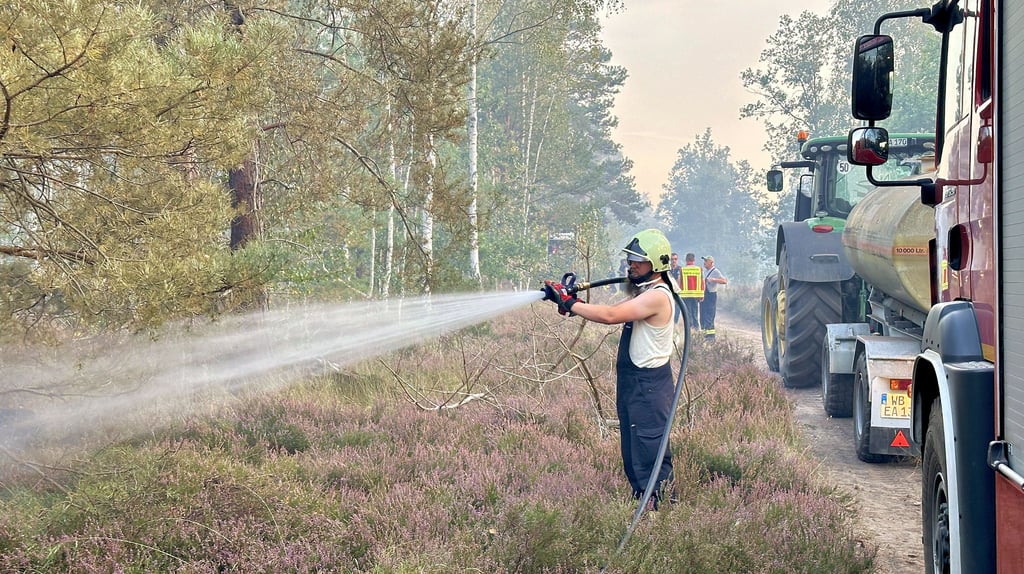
x=386 y=468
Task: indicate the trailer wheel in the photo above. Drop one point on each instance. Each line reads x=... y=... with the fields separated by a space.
x=769 y=331
x=934 y=497
x=836 y=389
x=862 y=412
x=804 y=308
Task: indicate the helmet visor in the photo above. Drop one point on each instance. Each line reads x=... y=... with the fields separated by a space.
x=634 y=252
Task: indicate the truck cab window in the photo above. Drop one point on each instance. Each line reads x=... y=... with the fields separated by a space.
x=959 y=70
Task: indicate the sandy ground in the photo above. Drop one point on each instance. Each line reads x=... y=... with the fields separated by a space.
x=887 y=496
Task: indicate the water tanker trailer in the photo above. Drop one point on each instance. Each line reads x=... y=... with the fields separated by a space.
x=827 y=306
x=867 y=365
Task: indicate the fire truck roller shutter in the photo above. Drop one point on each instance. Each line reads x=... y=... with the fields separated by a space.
x=1010 y=171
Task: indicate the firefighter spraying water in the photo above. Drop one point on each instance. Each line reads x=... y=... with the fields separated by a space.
x=645 y=397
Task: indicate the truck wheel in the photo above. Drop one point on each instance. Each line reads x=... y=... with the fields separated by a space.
x=769 y=332
x=804 y=308
x=836 y=389
x=862 y=412
x=934 y=498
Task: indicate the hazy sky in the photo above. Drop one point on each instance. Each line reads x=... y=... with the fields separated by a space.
x=684 y=59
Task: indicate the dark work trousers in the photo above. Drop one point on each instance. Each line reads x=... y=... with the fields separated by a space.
x=690 y=303
x=707 y=312
x=643 y=401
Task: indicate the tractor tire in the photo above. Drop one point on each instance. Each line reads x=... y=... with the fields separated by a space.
x=862 y=412
x=934 y=496
x=836 y=389
x=769 y=332
x=804 y=310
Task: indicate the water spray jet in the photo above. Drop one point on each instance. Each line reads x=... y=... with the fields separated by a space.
x=123 y=384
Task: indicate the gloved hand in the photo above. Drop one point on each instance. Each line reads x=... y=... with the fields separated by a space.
x=557 y=293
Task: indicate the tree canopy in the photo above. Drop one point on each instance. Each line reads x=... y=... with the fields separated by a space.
x=165 y=160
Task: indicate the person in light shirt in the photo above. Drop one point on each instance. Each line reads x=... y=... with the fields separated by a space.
x=644 y=386
x=713 y=279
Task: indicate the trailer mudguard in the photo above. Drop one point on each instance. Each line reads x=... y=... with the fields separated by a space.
x=841 y=340
x=813 y=257
x=951 y=366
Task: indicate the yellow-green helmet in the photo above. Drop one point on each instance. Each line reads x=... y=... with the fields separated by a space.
x=650 y=245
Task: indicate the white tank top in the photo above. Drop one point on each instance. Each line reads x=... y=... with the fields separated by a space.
x=651 y=346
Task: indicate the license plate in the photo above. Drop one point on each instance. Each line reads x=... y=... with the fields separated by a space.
x=895 y=405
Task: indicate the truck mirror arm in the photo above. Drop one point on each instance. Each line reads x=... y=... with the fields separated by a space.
x=931 y=191
x=938 y=17
x=886 y=183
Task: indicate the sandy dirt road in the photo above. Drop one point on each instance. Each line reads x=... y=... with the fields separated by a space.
x=887 y=496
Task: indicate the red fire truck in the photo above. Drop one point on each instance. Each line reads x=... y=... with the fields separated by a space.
x=967 y=406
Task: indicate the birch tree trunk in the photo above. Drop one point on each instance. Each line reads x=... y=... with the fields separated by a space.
x=373 y=254
x=389 y=239
x=389 y=251
x=474 y=232
x=528 y=104
x=428 y=218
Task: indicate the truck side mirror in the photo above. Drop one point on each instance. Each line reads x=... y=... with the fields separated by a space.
x=867 y=146
x=873 y=61
x=775 y=180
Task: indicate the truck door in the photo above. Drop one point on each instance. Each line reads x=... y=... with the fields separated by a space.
x=980 y=255
x=953 y=214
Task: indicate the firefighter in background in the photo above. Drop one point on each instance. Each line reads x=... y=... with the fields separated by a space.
x=674 y=269
x=691 y=289
x=644 y=386
x=713 y=279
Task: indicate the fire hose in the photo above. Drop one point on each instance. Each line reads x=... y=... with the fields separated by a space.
x=570 y=284
x=572 y=287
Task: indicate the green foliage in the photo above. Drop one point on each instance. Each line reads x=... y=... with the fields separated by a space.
x=804 y=79
x=546 y=120
x=111 y=145
x=123 y=121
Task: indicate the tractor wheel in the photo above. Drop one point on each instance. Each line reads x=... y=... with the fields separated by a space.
x=769 y=332
x=804 y=308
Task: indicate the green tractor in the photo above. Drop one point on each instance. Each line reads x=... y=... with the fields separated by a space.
x=814 y=284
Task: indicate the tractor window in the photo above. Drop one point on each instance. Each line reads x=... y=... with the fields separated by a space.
x=851 y=185
x=851 y=181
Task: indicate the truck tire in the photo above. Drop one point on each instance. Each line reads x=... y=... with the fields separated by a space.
x=934 y=496
x=836 y=389
x=769 y=332
x=862 y=412
x=804 y=308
